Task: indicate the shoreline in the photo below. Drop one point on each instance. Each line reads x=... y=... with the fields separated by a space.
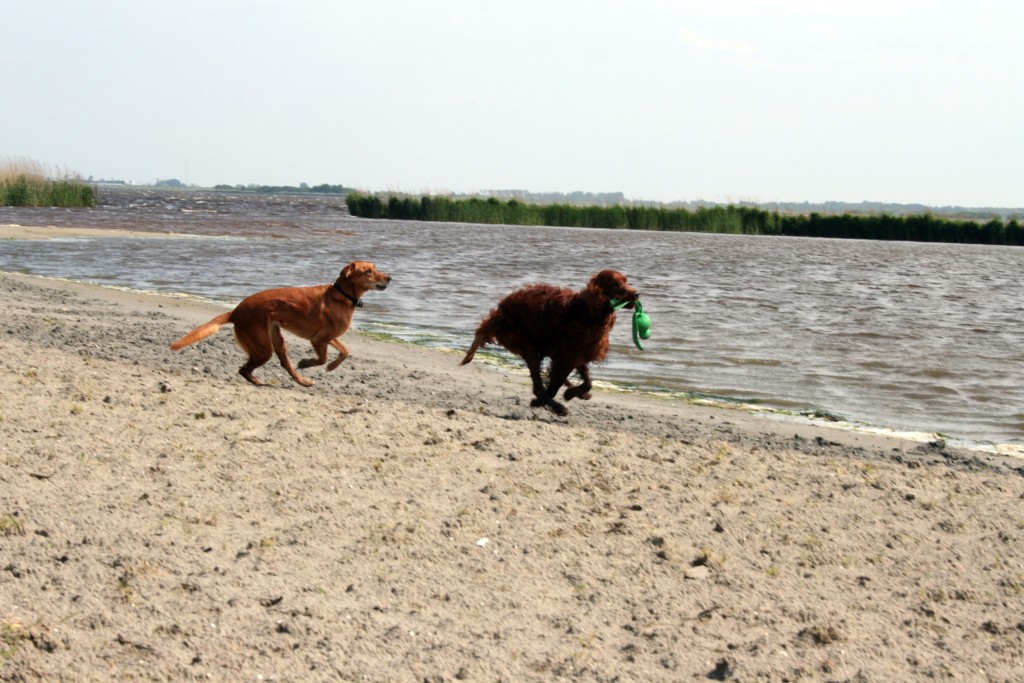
x=759 y=418
x=775 y=409
x=407 y=518
x=753 y=417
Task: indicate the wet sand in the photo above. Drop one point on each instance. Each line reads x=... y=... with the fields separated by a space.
x=43 y=232
x=408 y=519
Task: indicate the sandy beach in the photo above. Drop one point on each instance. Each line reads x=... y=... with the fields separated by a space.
x=44 y=232
x=408 y=519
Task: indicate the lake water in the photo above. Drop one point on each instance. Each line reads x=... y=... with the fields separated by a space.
x=900 y=335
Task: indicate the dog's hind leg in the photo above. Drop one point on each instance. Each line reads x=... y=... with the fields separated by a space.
x=257 y=346
x=256 y=360
x=581 y=390
x=281 y=349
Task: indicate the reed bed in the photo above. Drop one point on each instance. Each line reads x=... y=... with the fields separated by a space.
x=24 y=182
x=731 y=219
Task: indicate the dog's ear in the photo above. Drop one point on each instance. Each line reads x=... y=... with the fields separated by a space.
x=608 y=281
x=348 y=271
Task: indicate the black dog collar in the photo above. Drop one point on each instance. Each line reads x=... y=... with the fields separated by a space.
x=358 y=303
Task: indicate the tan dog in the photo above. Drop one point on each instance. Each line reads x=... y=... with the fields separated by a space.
x=320 y=314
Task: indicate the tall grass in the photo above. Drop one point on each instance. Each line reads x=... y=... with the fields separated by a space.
x=24 y=182
x=745 y=220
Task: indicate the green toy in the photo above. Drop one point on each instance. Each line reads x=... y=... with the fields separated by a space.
x=641 y=321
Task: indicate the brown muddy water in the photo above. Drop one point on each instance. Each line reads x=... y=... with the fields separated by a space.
x=899 y=335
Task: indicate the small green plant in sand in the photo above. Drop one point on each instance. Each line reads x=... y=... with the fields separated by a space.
x=125 y=590
x=11 y=525
x=722 y=450
x=24 y=182
x=12 y=634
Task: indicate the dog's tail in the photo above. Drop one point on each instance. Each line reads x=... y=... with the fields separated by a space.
x=484 y=336
x=202 y=332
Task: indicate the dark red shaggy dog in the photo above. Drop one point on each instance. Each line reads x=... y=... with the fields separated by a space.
x=571 y=328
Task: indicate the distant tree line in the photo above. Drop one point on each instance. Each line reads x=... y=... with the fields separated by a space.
x=302 y=188
x=577 y=197
x=732 y=219
x=826 y=207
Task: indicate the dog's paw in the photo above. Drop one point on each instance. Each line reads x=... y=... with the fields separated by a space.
x=577 y=392
x=249 y=377
x=558 y=409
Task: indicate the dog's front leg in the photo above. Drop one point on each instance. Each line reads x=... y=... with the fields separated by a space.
x=540 y=392
x=557 y=376
x=342 y=354
x=581 y=390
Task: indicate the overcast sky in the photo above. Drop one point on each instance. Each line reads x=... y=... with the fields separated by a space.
x=721 y=100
